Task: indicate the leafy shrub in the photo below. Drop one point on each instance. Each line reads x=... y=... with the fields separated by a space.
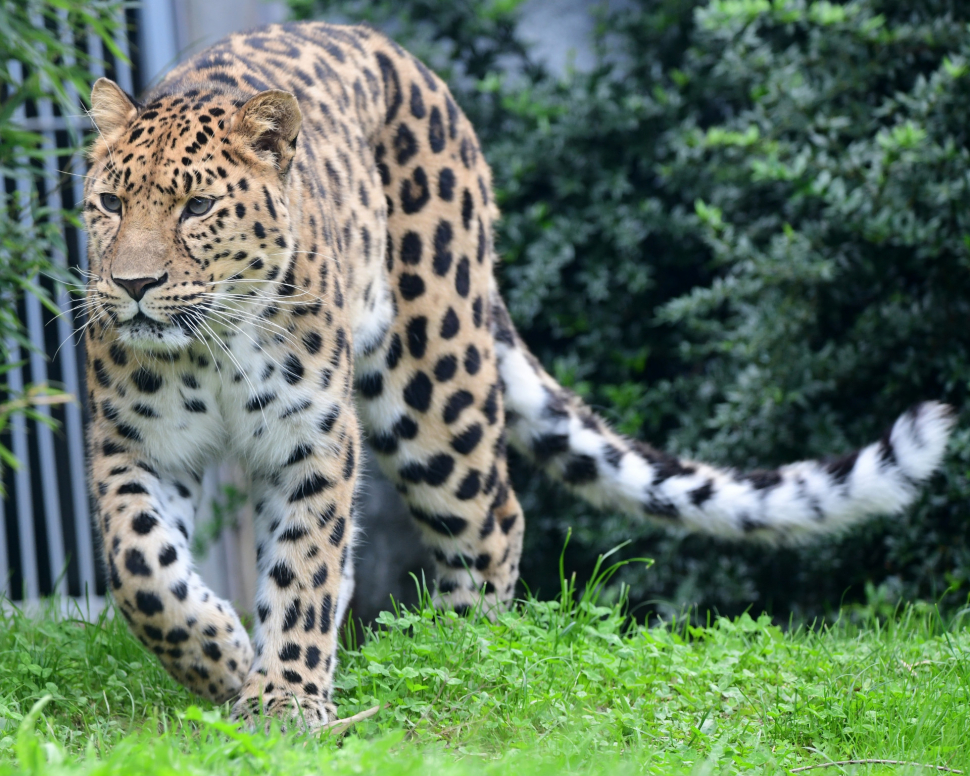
x=743 y=234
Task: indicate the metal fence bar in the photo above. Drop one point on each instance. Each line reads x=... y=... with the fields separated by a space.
x=56 y=554
x=25 y=500
x=122 y=68
x=41 y=429
x=4 y=563
x=157 y=38
x=79 y=170
x=33 y=443
x=59 y=477
x=18 y=438
x=69 y=355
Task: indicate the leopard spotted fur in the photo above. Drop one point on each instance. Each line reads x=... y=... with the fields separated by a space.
x=291 y=243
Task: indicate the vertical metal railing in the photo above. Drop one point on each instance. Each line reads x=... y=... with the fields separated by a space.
x=47 y=542
x=15 y=381
x=47 y=503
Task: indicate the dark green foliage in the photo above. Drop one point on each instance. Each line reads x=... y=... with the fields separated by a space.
x=745 y=235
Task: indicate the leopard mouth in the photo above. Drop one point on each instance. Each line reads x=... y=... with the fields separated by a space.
x=140 y=324
x=179 y=331
x=141 y=318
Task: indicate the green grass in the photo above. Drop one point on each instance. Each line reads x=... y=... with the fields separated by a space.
x=551 y=687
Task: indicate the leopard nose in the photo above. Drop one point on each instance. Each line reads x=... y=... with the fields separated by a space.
x=136 y=287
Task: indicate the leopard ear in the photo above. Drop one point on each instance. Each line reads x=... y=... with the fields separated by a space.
x=270 y=123
x=111 y=108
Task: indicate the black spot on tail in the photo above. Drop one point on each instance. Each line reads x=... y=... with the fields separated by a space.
x=580 y=469
x=660 y=507
x=840 y=468
x=549 y=445
x=612 y=454
x=887 y=454
x=762 y=479
x=750 y=524
x=664 y=465
x=702 y=494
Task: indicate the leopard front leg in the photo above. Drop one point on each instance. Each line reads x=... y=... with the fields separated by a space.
x=304 y=524
x=146 y=516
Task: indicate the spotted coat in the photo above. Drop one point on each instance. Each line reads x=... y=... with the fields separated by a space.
x=291 y=241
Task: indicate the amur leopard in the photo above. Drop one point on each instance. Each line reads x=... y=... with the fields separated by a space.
x=291 y=248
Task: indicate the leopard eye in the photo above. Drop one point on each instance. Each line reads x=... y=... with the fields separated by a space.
x=198 y=206
x=111 y=203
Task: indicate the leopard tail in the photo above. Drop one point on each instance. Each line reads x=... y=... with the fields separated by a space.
x=552 y=427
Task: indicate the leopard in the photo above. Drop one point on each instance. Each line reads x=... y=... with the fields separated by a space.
x=291 y=241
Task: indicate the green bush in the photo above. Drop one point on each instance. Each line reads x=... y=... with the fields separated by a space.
x=36 y=63
x=744 y=235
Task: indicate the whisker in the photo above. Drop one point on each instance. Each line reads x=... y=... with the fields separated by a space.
x=205 y=342
x=227 y=321
x=300 y=291
x=79 y=175
x=64 y=314
x=229 y=324
x=90 y=116
x=228 y=316
x=219 y=304
x=312 y=253
x=250 y=280
x=79 y=332
x=252 y=298
x=232 y=358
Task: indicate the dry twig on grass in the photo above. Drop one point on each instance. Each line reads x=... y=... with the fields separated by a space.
x=340 y=726
x=873 y=762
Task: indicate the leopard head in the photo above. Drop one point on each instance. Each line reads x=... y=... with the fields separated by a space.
x=188 y=211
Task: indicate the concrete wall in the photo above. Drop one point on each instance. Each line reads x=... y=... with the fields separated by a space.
x=171 y=30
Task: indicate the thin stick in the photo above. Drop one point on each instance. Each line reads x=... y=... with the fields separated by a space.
x=873 y=762
x=339 y=726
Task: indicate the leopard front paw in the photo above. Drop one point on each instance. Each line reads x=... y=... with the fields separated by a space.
x=209 y=651
x=261 y=703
